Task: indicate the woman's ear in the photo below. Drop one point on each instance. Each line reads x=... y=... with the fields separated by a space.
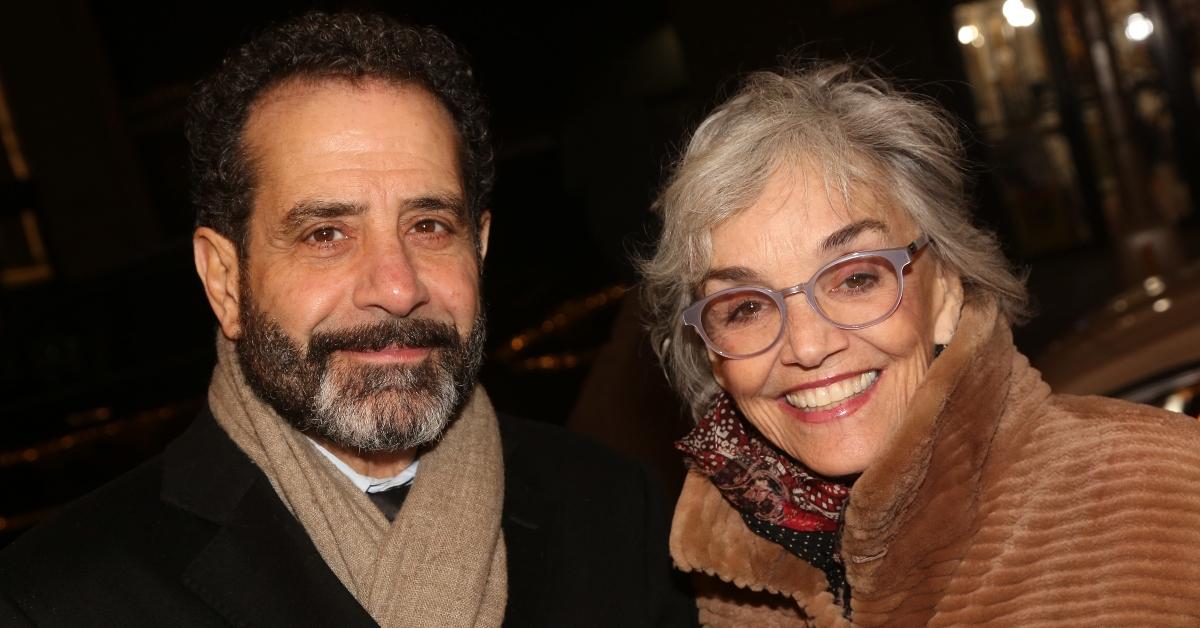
x=217 y=264
x=715 y=364
x=950 y=294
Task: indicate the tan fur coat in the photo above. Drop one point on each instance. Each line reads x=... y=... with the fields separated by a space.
x=997 y=503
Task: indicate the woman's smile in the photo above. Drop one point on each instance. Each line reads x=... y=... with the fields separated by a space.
x=830 y=399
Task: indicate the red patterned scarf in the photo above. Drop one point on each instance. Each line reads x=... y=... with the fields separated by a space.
x=755 y=477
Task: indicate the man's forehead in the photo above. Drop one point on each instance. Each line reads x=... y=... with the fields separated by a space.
x=307 y=133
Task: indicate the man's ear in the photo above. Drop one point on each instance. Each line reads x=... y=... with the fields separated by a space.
x=950 y=289
x=217 y=265
x=485 y=226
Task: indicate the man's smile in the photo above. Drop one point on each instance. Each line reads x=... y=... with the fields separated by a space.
x=390 y=354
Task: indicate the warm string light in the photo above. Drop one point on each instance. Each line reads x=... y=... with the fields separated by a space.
x=51 y=448
x=562 y=317
x=554 y=361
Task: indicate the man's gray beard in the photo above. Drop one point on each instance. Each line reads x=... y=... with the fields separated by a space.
x=389 y=408
x=368 y=407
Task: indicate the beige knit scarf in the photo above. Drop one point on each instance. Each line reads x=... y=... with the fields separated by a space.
x=440 y=563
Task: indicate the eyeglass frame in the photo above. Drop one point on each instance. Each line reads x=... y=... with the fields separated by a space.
x=899 y=257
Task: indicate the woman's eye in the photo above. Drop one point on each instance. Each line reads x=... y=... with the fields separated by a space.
x=326 y=234
x=744 y=310
x=860 y=281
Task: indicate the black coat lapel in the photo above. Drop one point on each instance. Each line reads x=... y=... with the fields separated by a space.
x=260 y=568
x=528 y=520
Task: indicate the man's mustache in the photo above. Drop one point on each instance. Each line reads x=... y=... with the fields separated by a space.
x=417 y=333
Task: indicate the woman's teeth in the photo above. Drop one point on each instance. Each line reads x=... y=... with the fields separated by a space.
x=835 y=393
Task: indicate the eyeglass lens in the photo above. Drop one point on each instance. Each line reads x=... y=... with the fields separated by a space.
x=853 y=292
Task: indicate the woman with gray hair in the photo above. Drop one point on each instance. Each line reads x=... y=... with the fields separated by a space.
x=870 y=448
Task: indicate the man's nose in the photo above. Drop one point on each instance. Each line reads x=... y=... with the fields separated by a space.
x=389 y=280
x=807 y=337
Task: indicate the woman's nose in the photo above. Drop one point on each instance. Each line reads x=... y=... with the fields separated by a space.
x=807 y=337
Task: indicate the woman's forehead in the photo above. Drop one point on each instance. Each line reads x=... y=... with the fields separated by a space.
x=798 y=214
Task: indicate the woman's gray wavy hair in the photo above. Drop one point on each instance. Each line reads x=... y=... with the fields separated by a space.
x=860 y=131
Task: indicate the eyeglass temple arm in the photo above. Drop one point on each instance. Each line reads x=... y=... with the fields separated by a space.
x=917 y=244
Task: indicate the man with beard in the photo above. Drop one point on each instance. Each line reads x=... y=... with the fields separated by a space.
x=348 y=470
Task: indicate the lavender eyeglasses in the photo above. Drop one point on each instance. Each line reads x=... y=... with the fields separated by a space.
x=851 y=292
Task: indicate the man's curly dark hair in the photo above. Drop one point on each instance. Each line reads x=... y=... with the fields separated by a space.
x=342 y=46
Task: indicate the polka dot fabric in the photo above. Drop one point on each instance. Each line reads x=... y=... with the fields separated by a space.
x=819 y=549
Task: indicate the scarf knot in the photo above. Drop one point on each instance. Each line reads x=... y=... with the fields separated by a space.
x=755 y=477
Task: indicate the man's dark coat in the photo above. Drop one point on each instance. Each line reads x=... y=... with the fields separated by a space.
x=197 y=537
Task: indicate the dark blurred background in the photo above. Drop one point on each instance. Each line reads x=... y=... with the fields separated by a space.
x=1080 y=117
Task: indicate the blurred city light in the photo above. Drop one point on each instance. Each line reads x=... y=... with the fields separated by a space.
x=1017 y=13
x=1138 y=27
x=1154 y=285
x=968 y=34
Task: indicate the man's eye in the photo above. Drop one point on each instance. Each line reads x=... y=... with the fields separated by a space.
x=430 y=226
x=326 y=234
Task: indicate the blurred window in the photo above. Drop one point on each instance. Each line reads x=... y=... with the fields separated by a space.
x=1018 y=111
x=1081 y=108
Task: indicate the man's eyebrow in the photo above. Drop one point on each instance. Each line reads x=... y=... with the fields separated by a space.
x=307 y=211
x=845 y=235
x=444 y=202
